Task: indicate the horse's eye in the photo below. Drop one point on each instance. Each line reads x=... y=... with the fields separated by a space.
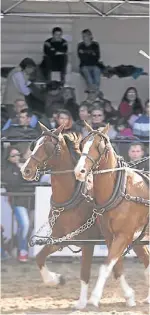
x=32 y=145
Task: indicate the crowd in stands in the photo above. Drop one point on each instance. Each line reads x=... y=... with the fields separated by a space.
x=24 y=104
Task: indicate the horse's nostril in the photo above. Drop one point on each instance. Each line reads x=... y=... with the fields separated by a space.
x=83 y=171
x=27 y=172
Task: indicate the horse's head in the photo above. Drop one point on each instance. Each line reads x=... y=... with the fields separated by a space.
x=95 y=146
x=45 y=150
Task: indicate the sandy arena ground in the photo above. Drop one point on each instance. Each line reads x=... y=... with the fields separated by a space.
x=24 y=293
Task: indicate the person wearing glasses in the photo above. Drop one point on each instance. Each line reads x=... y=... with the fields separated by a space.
x=97 y=117
x=11 y=175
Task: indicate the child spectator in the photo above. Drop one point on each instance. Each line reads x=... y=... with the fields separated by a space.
x=136 y=152
x=89 y=55
x=110 y=112
x=141 y=127
x=130 y=104
x=123 y=128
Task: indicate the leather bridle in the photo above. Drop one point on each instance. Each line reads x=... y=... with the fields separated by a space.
x=106 y=149
x=56 y=151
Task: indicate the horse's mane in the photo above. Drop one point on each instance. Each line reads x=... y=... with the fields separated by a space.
x=72 y=141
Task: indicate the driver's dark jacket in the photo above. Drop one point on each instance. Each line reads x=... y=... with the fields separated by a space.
x=11 y=175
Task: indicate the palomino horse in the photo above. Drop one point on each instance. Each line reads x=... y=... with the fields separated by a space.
x=56 y=152
x=121 y=197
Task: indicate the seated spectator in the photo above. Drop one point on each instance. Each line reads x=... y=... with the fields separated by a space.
x=54 y=99
x=141 y=127
x=18 y=107
x=136 y=152
x=70 y=102
x=130 y=104
x=18 y=82
x=110 y=112
x=123 y=128
x=22 y=131
x=112 y=132
x=11 y=175
x=89 y=55
x=55 y=55
x=97 y=117
x=84 y=115
x=64 y=117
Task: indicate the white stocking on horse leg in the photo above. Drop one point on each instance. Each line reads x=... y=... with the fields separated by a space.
x=82 y=302
x=128 y=292
x=50 y=278
x=104 y=273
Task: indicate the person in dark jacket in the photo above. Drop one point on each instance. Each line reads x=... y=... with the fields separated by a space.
x=11 y=175
x=89 y=54
x=55 y=55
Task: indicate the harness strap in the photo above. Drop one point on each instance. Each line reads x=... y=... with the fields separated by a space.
x=75 y=200
x=117 y=196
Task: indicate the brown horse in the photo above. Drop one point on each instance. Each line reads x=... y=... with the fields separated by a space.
x=121 y=197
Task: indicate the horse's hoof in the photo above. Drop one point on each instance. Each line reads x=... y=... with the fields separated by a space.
x=131 y=301
x=62 y=280
x=94 y=300
x=80 y=305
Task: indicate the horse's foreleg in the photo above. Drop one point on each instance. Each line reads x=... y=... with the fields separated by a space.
x=117 y=248
x=87 y=254
x=143 y=254
x=49 y=278
x=119 y=274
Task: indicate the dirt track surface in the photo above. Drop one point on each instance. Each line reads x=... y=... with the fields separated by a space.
x=24 y=293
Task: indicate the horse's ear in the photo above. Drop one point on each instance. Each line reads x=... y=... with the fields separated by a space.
x=89 y=128
x=105 y=129
x=59 y=130
x=43 y=128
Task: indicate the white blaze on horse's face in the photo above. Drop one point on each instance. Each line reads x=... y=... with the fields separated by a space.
x=81 y=168
x=27 y=170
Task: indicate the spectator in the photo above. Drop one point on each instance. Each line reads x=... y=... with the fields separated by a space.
x=18 y=107
x=54 y=100
x=141 y=127
x=70 y=102
x=84 y=115
x=17 y=86
x=89 y=55
x=123 y=128
x=11 y=175
x=22 y=131
x=97 y=117
x=64 y=117
x=110 y=112
x=55 y=55
x=135 y=153
x=130 y=104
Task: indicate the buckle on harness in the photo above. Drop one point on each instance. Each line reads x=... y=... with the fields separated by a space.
x=127 y=197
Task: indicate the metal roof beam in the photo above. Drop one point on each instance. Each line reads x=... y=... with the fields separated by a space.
x=91 y=6
x=75 y=15
x=13 y=6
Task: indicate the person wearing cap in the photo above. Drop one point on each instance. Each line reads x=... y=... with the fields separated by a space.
x=18 y=82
